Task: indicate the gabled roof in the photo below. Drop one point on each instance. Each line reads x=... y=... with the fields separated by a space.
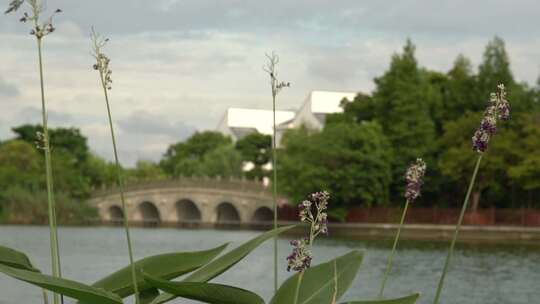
x=253 y=119
x=326 y=102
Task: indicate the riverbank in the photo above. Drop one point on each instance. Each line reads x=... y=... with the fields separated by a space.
x=371 y=231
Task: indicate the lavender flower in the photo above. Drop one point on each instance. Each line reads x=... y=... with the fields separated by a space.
x=312 y=211
x=300 y=258
x=414 y=177
x=498 y=108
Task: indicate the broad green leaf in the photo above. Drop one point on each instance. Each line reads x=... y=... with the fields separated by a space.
x=321 y=284
x=206 y=292
x=66 y=287
x=165 y=266
x=224 y=262
x=405 y=300
x=15 y=259
x=148 y=295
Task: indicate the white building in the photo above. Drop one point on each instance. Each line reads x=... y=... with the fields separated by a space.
x=238 y=122
x=312 y=113
x=317 y=105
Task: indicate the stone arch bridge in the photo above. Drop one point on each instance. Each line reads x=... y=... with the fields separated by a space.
x=188 y=200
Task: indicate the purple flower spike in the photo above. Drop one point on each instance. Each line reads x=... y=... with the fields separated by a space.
x=498 y=108
x=300 y=258
x=312 y=211
x=414 y=177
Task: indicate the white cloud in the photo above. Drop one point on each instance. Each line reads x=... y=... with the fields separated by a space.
x=8 y=90
x=177 y=65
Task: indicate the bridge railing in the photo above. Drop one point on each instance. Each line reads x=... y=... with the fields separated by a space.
x=234 y=184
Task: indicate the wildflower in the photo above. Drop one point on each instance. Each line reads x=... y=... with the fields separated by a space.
x=312 y=211
x=102 y=61
x=300 y=258
x=414 y=177
x=498 y=108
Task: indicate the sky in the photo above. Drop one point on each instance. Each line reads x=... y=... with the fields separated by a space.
x=179 y=64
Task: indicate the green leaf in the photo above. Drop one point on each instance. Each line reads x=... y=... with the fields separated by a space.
x=148 y=295
x=15 y=259
x=321 y=284
x=224 y=262
x=166 y=266
x=206 y=292
x=405 y=300
x=66 y=287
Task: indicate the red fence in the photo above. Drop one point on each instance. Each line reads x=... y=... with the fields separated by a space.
x=483 y=217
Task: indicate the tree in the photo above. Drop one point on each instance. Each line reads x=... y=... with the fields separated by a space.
x=457 y=160
x=145 y=171
x=20 y=165
x=100 y=173
x=526 y=172
x=69 y=140
x=361 y=108
x=350 y=160
x=461 y=90
x=494 y=69
x=224 y=161
x=405 y=104
x=182 y=158
x=256 y=149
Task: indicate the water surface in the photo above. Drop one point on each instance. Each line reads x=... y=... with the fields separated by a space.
x=479 y=274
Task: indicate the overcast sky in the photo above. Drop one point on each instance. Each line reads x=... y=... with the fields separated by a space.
x=177 y=64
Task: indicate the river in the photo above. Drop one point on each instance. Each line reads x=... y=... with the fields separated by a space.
x=491 y=274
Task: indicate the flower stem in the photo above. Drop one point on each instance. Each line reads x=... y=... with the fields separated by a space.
x=458 y=226
x=391 y=257
x=297 y=291
x=55 y=256
x=274 y=189
x=121 y=188
x=45 y=299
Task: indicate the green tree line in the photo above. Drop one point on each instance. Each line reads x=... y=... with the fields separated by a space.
x=360 y=156
x=78 y=172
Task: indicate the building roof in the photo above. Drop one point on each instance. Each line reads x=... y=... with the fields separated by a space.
x=326 y=102
x=237 y=119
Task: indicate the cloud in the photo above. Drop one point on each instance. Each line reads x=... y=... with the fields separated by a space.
x=7 y=89
x=178 y=64
x=145 y=123
x=34 y=115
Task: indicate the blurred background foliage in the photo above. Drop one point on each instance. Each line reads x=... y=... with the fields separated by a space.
x=359 y=157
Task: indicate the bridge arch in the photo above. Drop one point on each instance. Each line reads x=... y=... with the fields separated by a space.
x=187 y=210
x=263 y=214
x=115 y=213
x=159 y=201
x=227 y=212
x=149 y=212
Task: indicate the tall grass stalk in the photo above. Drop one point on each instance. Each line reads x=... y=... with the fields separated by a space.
x=102 y=66
x=40 y=30
x=53 y=230
x=276 y=86
x=414 y=176
x=456 y=232
x=498 y=109
x=394 y=246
